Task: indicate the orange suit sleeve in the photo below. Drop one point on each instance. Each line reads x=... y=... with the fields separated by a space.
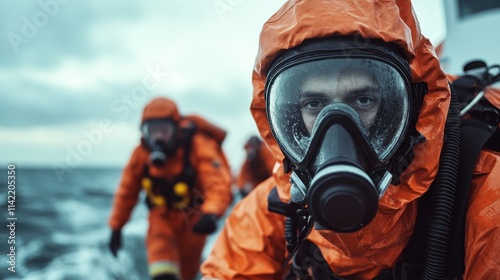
x=251 y=245
x=213 y=175
x=128 y=190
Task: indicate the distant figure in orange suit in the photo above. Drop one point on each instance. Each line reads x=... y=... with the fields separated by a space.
x=257 y=167
x=187 y=181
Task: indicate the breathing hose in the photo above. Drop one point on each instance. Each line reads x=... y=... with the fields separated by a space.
x=443 y=193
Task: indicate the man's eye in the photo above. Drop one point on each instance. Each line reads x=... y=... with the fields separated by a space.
x=312 y=104
x=365 y=100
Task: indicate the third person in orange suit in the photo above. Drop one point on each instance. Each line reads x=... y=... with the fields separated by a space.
x=186 y=178
x=257 y=165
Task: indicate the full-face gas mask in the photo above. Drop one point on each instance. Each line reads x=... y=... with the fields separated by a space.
x=341 y=118
x=160 y=136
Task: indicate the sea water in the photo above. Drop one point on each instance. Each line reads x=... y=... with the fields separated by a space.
x=62 y=227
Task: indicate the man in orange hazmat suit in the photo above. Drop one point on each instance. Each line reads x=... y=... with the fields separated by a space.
x=186 y=177
x=257 y=165
x=351 y=100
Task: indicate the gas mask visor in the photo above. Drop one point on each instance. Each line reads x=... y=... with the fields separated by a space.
x=160 y=137
x=339 y=120
x=375 y=93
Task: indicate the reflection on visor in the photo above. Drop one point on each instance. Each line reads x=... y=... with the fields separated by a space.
x=375 y=90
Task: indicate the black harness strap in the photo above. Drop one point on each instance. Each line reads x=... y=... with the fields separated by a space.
x=187 y=137
x=474 y=135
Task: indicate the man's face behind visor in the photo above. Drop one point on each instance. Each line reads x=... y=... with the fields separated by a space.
x=374 y=90
x=357 y=89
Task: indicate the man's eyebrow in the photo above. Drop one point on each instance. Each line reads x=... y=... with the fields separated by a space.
x=322 y=94
x=364 y=89
x=312 y=94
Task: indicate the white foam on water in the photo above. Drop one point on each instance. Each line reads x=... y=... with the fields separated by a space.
x=86 y=262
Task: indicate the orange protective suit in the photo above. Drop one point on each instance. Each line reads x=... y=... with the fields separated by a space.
x=171 y=244
x=257 y=167
x=252 y=244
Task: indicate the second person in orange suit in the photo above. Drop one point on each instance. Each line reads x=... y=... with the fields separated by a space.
x=186 y=177
x=257 y=165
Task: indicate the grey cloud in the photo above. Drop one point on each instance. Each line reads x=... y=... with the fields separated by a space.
x=40 y=105
x=66 y=33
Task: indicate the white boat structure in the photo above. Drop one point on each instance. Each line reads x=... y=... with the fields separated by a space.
x=473 y=32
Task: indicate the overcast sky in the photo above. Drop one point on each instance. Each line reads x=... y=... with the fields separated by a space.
x=75 y=75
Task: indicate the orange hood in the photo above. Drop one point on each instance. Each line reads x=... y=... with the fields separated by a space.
x=391 y=21
x=161 y=108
